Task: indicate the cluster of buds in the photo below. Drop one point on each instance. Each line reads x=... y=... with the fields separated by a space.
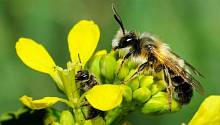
x=141 y=92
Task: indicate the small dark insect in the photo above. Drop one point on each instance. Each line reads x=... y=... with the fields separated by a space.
x=86 y=80
x=156 y=56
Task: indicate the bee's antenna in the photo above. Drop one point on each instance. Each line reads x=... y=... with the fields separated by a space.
x=80 y=61
x=118 y=18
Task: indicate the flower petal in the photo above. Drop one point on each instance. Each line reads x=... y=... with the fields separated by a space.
x=83 y=39
x=35 y=56
x=39 y=104
x=208 y=113
x=105 y=97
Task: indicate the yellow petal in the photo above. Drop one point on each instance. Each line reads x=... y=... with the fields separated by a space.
x=101 y=52
x=105 y=97
x=35 y=56
x=39 y=104
x=208 y=113
x=83 y=39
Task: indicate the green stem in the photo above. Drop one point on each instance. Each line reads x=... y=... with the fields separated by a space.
x=116 y=114
x=71 y=91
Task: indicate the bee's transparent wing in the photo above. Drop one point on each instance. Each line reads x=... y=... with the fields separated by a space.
x=189 y=66
x=177 y=69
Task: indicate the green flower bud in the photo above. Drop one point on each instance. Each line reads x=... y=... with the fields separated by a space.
x=159 y=104
x=133 y=84
x=66 y=118
x=88 y=122
x=94 y=65
x=113 y=114
x=142 y=94
x=131 y=73
x=127 y=93
x=95 y=121
x=55 y=123
x=146 y=81
x=107 y=65
x=121 y=72
x=158 y=86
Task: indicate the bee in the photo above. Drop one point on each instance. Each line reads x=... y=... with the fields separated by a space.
x=85 y=79
x=85 y=82
x=155 y=56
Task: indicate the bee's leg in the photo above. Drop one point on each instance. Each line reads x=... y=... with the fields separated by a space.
x=84 y=103
x=124 y=58
x=169 y=88
x=140 y=68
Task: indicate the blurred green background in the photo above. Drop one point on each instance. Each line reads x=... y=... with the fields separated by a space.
x=191 y=28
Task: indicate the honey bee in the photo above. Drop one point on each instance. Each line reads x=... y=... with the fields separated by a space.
x=156 y=56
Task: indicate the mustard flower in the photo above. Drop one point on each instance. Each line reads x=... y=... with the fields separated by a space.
x=82 y=41
x=208 y=113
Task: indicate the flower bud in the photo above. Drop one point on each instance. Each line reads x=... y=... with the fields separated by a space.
x=127 y=93
x=142 y=94
x=121 y=70
x=66 y=118
x=133 y=84
x=158 y=86
x=94 y=62
x=159 y=104
x=146 y=81
x=107 y=66
x=113 y=114
x=88 y=122
x=55 y=123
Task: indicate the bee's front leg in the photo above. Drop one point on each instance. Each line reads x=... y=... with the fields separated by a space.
x=140 y=68
x=124 y=58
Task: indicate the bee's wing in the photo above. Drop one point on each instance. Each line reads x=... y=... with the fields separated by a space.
x=177 y=69
x=189 y=66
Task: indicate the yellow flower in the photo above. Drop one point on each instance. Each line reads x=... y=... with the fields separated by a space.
x=40 y=103
x=82 y=41
x=208 y=113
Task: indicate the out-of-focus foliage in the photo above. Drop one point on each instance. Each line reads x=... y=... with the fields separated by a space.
x=191 y=28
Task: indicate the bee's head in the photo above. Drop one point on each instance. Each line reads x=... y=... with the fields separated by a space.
x=122 y=39
x=82 y=75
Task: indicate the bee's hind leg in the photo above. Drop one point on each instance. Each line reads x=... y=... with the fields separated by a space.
x=169 y=88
